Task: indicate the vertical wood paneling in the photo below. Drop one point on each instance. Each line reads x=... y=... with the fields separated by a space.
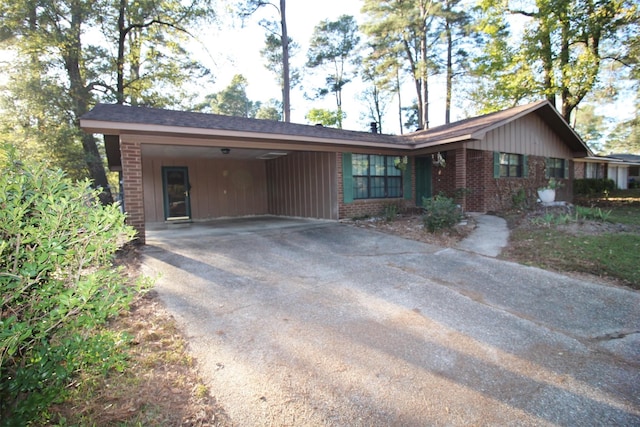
x=300 y=184
x=303 y=185
x=218 y=188
x=527 y=135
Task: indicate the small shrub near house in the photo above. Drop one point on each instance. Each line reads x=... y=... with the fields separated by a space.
x=390 y=212
x=440 y=212
x=57 y=286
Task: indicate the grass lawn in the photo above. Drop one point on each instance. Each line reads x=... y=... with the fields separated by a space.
x=615 y=256
x=609 y=249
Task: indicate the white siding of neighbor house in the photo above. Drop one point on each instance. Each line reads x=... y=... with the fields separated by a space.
x=620 y=175
x=528 y=135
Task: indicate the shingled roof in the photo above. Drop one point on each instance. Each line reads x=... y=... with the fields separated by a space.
x=117 y=119
x=123 y=114
x=476 y=128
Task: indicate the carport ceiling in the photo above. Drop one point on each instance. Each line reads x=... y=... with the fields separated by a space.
x=164 y=151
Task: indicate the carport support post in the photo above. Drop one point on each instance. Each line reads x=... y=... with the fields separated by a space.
x=132 y=186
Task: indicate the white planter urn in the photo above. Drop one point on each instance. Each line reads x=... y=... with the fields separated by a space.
x=547 y=195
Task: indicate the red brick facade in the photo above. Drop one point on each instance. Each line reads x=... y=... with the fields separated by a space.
x=473 y=186
x=132 y=186
x=483 y=192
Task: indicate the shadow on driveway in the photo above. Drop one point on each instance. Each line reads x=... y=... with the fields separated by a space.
x=318 y=323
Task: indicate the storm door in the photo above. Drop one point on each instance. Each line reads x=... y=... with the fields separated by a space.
x=175 y=183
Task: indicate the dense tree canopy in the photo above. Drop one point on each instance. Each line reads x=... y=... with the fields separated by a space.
x=404 y=31
x=70 y=53
x=333 y=48
x=560 y=54
x=232 y=100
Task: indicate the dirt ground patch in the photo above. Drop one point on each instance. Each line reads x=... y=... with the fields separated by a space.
x=411 y=226
x=160 y=384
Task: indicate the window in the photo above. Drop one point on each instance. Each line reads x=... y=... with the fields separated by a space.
x=592 y=170
x=555 y=168
x=375 y=177
x=511 y=165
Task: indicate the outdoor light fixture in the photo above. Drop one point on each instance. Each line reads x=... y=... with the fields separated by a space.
x=225 y=150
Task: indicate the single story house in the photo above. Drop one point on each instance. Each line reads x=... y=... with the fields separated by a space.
x=185 y=166
x=622 y=169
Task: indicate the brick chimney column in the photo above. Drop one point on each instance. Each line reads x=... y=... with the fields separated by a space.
x=132 y=186
x=461 y=176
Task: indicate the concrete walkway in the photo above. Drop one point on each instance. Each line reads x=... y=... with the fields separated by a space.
x=490 y=236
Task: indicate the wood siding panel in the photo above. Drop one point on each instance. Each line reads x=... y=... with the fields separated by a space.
x=303 y=184
x=219 y=188
x=528 y=135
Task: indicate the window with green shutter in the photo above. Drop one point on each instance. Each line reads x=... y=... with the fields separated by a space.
x=507 y=165
x=375 y=177
x=557 y=168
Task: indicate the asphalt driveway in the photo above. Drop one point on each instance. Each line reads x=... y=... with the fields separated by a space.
x=302 y=322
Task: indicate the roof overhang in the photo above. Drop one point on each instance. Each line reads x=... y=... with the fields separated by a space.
x=607 y=160
x=187 y=135
x=163 y=127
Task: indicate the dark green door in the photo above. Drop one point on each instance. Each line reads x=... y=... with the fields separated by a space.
x=423 y=179
x=176 y=186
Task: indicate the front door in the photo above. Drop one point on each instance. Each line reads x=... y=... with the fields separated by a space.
x=175 y=181
x=423 y=179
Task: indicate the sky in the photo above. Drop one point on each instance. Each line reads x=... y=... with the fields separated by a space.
x=235 y=49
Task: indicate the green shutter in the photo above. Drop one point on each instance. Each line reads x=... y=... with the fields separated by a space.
x=347 y=178
x=547 y=172
x=566 y=169
x=525 y=166
x=496 y=164
x=406 y=181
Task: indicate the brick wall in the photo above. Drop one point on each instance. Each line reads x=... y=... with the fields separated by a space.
x=132 y=186
x=479 y=175
x=491 y=194
x=443 y=179
x=483 y=192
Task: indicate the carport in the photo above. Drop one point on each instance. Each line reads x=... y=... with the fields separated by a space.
x=181 y=166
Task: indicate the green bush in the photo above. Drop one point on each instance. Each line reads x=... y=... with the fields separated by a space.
x=57 y=285
x=592 y=186
x=390 y=212
x=441 y=212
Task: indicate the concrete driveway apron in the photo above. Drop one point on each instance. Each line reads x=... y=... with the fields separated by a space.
x=301 y=322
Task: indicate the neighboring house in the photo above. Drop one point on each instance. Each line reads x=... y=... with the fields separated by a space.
x=183 y=166
x=623 y=169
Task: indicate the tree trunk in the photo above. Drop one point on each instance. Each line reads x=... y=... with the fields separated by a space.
x=81 y=97
x=417 y=82
x=286 y=84
x=399 y=101
x=447 y=102
x=122 y=35
x=424 y=70
x=425 y=85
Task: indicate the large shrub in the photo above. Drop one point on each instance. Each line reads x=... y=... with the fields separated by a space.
x=57 y=285
x=592 y=186
x=440 y=212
